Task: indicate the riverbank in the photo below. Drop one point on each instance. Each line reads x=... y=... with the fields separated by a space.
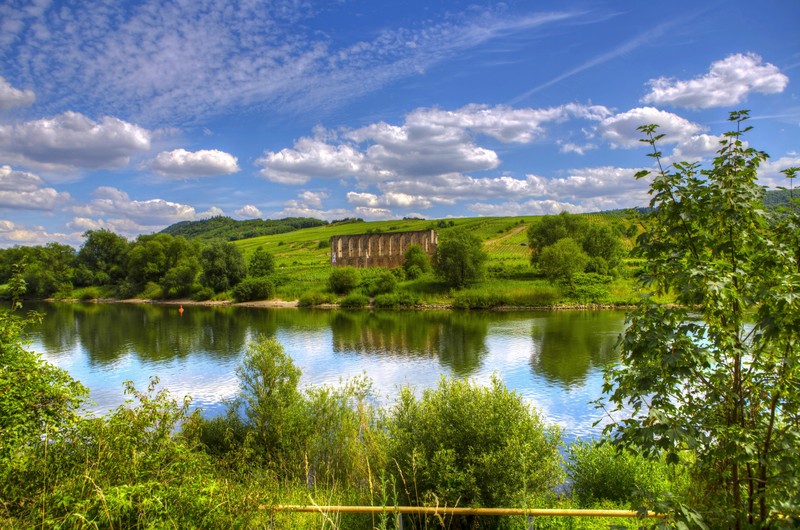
x=276 y=303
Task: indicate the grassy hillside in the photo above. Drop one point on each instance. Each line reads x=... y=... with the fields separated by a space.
x=302 y=257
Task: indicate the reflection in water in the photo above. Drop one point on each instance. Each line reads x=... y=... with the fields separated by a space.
x=552 y=358
x=568 y=344
x=458 y=340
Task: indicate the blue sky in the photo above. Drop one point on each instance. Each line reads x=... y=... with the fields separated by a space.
x=132 y=116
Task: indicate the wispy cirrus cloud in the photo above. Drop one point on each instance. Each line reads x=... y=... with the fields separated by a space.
x=179 y=60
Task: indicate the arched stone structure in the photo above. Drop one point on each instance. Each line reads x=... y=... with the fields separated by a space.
x=379 y=250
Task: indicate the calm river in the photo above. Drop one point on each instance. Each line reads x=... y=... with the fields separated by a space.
x=554 y=359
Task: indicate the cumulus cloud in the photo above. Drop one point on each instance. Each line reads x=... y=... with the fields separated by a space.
x=311 y=157
x=620 y=130
x=71 y=140
x=429 y=143
x=727 y=83
x=14 y=234
x=532 y=207
x=769 y=173
x=389 y=200
x=21 y=190
x=11 y=97
x=248 y=211
x=112 y=207
x=695 y=148
x=203 y=163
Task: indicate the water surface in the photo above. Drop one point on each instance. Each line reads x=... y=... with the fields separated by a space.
x=554 y=359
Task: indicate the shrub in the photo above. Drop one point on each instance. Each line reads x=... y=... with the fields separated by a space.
x=599 y=472
x=401 y=300
x=312 y=298
x=90 y=293
x=354 y=301
x=152 y=291
x=262 y=263
x=203 y=294
x=342 y=280
x=471 y=445
x=384 y=282
x=254 y=289
x=562 y=259
x=589 y=288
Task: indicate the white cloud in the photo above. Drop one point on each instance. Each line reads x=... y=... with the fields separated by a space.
x=769 y=173
x=71 y=140
x=21 y=190
x=185 y=59
x=13 y=234
x=11 y=97
x=248 y=211
x=390 y=200
x=310 y=158
x=182 y=163
x=430 y=142
x=620 y=130
x=532 y=207
x=695 y=148
x=112 y=207
x=727 y=83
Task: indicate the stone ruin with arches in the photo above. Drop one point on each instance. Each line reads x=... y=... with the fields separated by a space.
x=379 y=249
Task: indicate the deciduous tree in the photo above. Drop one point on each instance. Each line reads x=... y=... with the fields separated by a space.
x=714 y=380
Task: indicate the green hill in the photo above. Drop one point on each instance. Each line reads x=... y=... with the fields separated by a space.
x=233 y=230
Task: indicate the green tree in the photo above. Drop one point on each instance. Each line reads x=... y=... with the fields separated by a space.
x=459 y=259
x=715 y=378
x=562 y=259
x=222 y=265
x=551 y=228
x=415 y=262
x=268 y=395
x=103 y=258
x=342 y=280
x=262 y=263
x=35 y=396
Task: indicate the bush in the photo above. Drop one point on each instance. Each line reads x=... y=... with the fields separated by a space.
x=599 y=472
x=312 y=298
x=562 y=260
x=342 y=280
x=261 y=263
x=401 y=300
x=254 y=289
x=384 y=282
x=469 y=445
x=589 y=288
x=203 y=294
x=90 y=293
x=355 y=301
x=152 y=291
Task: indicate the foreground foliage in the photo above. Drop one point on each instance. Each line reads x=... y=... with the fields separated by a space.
x=715 y=382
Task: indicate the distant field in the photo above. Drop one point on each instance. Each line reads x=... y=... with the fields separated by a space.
x=302 y=257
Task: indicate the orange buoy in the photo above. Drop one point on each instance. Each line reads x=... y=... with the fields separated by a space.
x=180 y=310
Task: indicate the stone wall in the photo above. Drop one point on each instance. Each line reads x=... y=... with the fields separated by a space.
x=379 y=250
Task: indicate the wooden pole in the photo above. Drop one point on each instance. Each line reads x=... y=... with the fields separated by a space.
x=443 y=511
